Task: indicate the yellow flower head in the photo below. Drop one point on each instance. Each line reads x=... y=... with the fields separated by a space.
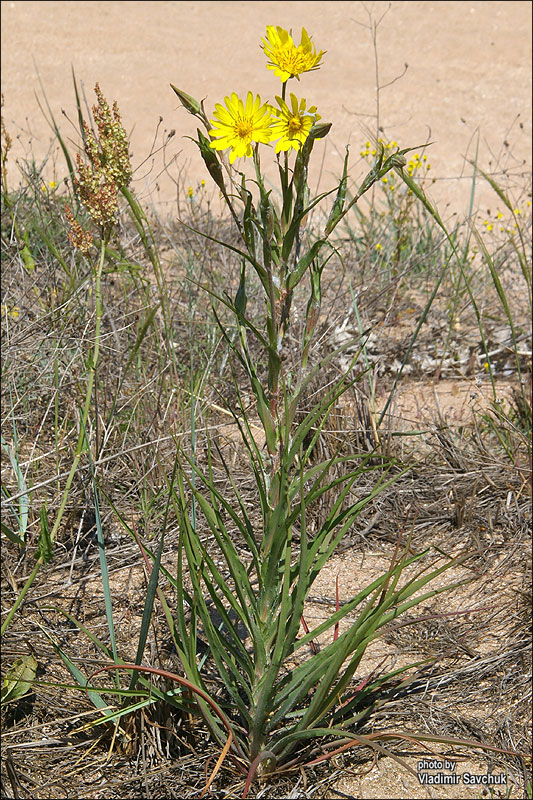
x=285 y=58
x=10 y=311
x=238 y=125
x=291 y=125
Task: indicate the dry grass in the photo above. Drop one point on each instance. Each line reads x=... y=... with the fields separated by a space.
x=462 y=493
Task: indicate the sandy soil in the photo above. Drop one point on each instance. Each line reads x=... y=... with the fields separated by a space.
x=468 y=73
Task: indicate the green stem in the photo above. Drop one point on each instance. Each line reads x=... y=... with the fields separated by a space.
x=81 y=436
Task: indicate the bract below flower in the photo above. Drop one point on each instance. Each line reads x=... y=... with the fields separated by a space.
x=238 y=125
x=286 y=58
x=291 y=125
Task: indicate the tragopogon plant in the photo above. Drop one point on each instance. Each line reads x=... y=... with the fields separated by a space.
x=277 y=703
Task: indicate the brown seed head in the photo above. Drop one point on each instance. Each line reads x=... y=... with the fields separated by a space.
x=108 y=166
x=77 y=236
x=114 y=153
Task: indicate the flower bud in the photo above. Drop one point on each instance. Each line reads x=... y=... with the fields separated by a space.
x=188 y=102
x=210 y=159
x=320 y=130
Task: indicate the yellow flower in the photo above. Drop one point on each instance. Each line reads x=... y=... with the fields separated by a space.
x=293 y=124
x=238 y=125
x=285 y=58
x=13 y=311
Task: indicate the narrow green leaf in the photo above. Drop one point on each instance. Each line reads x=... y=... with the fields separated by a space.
x=95 y=698
x=12 y=536
x=45 y=545
x=338 y=204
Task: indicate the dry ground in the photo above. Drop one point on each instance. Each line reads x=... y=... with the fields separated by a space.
x=462 y=495
x=467 y=72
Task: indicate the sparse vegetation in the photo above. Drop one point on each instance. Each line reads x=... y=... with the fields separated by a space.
x=243 y=552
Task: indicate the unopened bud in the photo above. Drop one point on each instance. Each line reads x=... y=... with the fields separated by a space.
x=188 y=102
x=320 y=130
x=210 y=159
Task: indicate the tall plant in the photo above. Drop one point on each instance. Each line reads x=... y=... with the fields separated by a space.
x=104 y=171
x=271 y=710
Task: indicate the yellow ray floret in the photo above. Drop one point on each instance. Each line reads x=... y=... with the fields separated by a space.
x=291 y=124
x=238 y=125
x=287 y=59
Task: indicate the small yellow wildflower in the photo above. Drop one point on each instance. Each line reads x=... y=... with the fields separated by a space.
x=291 y=125
x=285 y=58
x=10 y=311
x=238 y=125
x=378 y=247
x=190 y=192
